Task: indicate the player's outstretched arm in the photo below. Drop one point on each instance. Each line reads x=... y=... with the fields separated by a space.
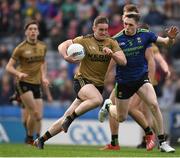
x=171 y=36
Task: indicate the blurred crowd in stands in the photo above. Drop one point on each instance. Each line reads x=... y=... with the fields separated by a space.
x=63 y=19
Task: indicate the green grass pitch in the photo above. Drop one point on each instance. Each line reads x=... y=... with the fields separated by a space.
x=21 y=150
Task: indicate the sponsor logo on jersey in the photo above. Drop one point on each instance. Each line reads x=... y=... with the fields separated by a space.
x=27 y=52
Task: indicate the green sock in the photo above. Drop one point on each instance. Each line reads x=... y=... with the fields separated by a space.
x=148 y=131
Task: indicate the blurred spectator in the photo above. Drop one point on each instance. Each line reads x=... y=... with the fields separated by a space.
x=116 y=25
x=30 y=8
x=73 y=29
x=4 y=57
x=83 y=10
x=57 y=36
x=4 y=16
x=4 y=54
x=69 y=11
x=176 y=10
x=114 y=8
x=175 y=50
x=143 y=7
x=101 y=7
x=154 y=17
x=53 y=8
x=17 y=19
x=62 y=90
x=17 y=25
x=42 y=26
x=58 y=19
x=168 y=8
x=168 y=94
x=6 y=90
x=43 y=7
x=177 y=97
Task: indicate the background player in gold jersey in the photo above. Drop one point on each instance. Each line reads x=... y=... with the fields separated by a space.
x=30 y=72
x=15 y=99
x=89 y=79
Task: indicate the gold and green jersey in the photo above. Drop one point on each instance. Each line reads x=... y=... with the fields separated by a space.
x=29 y=58
x=95 y=63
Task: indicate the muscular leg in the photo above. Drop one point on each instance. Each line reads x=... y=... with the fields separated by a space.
x=114 y=125
x=30 y=104
x=39 y=109
x=114 y=128
x=90 y=98
x=24 y=117
x=120 y=111
x=57 y=126
x=137 y=115
x=148 y=115
x=147 y=93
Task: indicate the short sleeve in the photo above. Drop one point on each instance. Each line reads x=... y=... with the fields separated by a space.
x=16 y=53
x=78 y=39
x=115 y=46
x=152 y=37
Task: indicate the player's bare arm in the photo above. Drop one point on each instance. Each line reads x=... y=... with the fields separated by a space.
x=163 y=64
x=118 y=56
x=171 y=36
x=11 y=69
x=151 y=63
x=44 y=79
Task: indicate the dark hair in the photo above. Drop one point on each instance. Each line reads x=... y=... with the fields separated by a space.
x=130 y=8
x=144 y=26
x=136 y=17
x=30 y=23
x=101 y=20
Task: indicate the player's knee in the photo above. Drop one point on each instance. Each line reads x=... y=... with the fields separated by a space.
x=37 y=116
x=98 y=101
x=39 y=119
x=95 y=102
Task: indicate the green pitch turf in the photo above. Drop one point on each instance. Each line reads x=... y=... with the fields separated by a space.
x=21 y=150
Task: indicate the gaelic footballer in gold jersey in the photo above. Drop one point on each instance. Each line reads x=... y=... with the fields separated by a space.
x=30 y=72
x=89 y=79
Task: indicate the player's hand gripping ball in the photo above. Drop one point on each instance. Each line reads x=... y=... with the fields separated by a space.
x=76 y=50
